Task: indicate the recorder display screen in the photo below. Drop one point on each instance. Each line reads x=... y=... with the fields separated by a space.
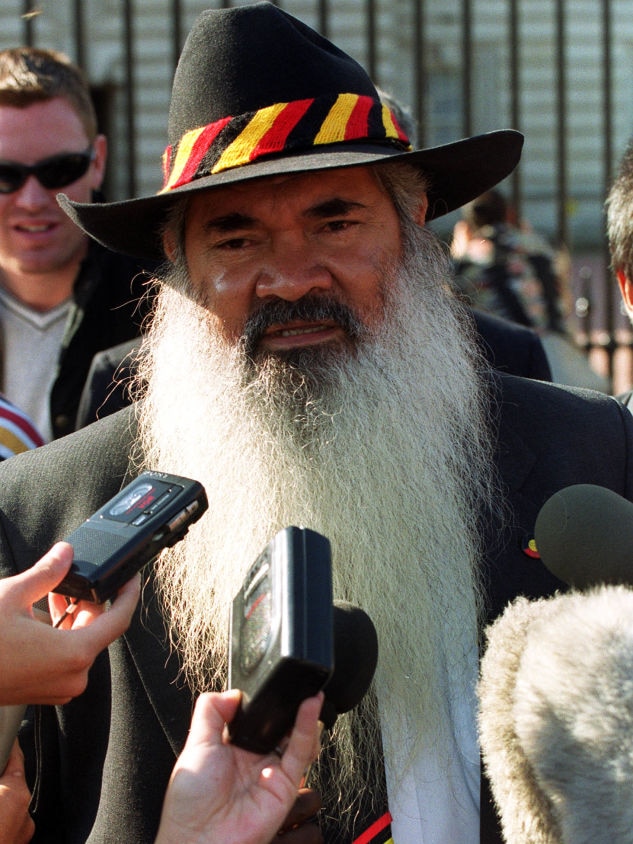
x=256 y=623
x=143 y=499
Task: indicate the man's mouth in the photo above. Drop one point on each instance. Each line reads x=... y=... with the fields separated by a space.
x=34 y=228
x=284 y=326
x=293 y=332
x=281 y=338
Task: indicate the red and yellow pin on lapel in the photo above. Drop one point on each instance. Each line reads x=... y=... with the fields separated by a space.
x=528 y=546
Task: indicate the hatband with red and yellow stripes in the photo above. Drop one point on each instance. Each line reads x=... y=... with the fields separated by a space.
x=281 y=128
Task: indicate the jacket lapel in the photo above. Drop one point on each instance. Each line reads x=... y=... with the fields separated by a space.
x=159 y=670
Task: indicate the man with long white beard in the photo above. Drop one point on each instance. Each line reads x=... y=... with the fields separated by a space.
x=284 y=414
x=309 y=365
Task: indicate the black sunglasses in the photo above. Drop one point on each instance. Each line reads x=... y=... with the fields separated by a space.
x=54 y=172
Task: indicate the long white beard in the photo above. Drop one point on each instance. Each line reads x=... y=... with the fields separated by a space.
x=390 y=462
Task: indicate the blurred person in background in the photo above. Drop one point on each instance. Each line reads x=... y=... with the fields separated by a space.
x=62 y=297
x=508 y=346
x=506 y=268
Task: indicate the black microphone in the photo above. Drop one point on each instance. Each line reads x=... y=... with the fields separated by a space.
x=584 y=535
x=355 y=658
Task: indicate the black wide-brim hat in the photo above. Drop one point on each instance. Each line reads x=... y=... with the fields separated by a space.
x=258 y=93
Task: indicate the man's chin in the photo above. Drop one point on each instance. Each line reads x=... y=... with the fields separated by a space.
x=296 y=378
x=305 y=354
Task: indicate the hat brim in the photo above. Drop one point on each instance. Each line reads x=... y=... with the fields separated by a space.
x=457 y=173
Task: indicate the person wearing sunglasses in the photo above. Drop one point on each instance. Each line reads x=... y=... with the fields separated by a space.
x=62 y=298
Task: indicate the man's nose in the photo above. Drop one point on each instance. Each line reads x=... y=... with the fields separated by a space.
x=32 y=194
x=293 y=269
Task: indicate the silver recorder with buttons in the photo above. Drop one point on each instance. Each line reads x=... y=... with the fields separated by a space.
x=153 y=512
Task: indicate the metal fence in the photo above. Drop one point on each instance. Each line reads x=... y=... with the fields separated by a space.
x=558 y=70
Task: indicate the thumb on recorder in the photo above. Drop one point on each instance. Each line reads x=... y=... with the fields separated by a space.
x=221 y=792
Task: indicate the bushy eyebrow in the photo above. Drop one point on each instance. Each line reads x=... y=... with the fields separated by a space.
x=335 y=207
x=230 y=222
x=237 y=221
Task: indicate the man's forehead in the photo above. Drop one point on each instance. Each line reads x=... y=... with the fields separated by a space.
x=19 y=140
x=348 y=184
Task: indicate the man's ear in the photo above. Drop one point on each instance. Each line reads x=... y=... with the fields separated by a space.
x=423 y=207
x=169 y=246
x=626 y=289
x=100 y=147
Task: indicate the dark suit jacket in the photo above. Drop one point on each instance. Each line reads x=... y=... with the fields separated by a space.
x=106 y=389
x=626 y=399
x=108 y=754
x=512 y=348
x=108 y=307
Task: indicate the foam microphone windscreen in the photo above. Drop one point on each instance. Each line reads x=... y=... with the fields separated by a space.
x=584 y=535
x=355 y=658
x=555 y=715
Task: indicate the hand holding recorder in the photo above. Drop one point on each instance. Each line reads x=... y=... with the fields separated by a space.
x=220 y=792
x=41 y=664
x=289 y=639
